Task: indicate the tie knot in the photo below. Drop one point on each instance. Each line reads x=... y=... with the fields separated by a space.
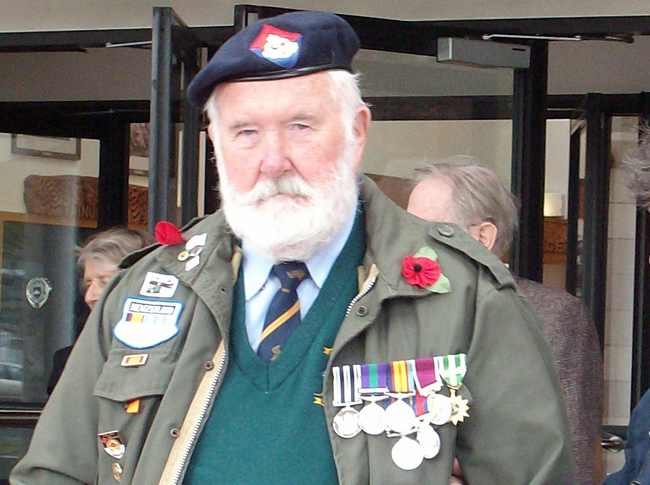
x=290 y=274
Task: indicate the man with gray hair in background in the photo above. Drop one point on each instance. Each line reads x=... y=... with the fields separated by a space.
x=474 y=198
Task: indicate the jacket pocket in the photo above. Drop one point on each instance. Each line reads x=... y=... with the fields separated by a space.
x=124 y=376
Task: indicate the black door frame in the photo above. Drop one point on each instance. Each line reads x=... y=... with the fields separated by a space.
x=416 y=37
x=175 y=61
x=596 y=111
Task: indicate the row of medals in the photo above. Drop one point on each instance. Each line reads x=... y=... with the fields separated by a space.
x=398 y=419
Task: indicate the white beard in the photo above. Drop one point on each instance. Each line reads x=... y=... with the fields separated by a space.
x=296 y=226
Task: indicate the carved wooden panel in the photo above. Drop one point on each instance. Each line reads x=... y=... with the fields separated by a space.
x=138 y=205
x=555 y=240
x=77 y=197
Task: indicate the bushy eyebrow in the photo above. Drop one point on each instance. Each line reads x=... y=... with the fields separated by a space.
x=302 y=117
x=297 y=117
x=238 y=125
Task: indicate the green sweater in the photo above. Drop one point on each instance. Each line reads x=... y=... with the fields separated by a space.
x=257 y=396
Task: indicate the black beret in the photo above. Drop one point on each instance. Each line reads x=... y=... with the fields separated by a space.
x=289 y=45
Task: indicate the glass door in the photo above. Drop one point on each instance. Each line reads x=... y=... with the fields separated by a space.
x=443 y=112
x=466 y=106
x=59 y=187
x=49 y=207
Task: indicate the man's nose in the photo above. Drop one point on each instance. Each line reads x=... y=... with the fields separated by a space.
x=276 y=160
x=92 y=294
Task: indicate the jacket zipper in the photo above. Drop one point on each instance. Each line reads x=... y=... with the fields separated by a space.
x=199 y=421
x=367 y=286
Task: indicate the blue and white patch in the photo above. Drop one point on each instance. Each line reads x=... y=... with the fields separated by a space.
x=146 y=323
x=159 y=285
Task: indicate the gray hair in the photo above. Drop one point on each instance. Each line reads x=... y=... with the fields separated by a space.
x=109 y=247
x=637 y=163
x=478 y=196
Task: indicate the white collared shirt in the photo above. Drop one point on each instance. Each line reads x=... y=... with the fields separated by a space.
x=260 y=286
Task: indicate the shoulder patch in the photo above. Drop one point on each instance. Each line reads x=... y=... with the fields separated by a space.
x=159 y=285
x=146 y=323
x=453 y=236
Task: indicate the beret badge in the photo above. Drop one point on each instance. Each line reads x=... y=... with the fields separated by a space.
x=278 y=46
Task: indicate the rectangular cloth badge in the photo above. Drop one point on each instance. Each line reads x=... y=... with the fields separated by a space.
x=134 y=360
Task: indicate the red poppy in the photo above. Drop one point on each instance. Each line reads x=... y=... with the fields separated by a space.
x=168 y=233
x=421 y=271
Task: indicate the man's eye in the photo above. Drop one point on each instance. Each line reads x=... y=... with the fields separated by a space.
x=300 y=126
x=246 y=133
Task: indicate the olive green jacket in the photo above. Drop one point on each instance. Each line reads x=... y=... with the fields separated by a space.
x=517 y=432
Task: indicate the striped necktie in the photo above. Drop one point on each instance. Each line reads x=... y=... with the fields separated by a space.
x=283 y=316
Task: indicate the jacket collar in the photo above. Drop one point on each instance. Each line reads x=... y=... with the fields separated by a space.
x=391 y=235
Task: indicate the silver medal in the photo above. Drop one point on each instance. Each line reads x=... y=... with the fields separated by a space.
x=371 y=417
x=439 y=408
x=346 y=381
x=407 y=454
x=400 y=417
x=346 y=423
x=429 y=441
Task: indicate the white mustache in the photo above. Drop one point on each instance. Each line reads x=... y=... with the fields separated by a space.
x=266 y=189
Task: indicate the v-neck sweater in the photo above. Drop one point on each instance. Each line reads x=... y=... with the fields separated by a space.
x=268 y=424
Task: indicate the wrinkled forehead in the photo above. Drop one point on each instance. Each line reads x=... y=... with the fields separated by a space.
x=98 y=266
x=305 y=96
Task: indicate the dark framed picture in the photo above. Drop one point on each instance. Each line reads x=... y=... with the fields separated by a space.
x=140 y=140
x=139 y=150
x=46 y=146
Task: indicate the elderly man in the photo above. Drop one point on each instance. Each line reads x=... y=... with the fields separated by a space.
x=474 y=198
x=310 y=332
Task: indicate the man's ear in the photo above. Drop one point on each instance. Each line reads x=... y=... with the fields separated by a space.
x=361 y=127
x=486 y=234
x=212 y=132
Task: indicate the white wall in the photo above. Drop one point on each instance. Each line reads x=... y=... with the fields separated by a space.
x=396 y=148
x=14 y=168
x=42 y=15
x=558 y=135
x=620 y=288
